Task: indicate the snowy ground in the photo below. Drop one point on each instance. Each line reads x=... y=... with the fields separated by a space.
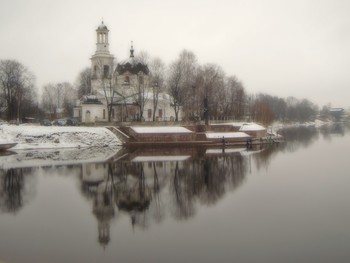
x=45 y=146
x=42 y=137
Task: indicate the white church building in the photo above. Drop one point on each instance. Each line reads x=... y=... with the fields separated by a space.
x=122 y=93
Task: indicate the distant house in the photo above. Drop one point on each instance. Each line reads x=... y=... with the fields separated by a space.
x=336 y=113
x=120 y=94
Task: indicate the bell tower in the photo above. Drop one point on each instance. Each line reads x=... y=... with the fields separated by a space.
x=102 y=60
x=102 y=45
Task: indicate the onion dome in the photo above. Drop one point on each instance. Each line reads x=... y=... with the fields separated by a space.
x=102 y=26
x=132 y=65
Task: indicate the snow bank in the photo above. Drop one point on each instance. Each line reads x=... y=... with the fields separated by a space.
x=42 y=137
x=51 y=157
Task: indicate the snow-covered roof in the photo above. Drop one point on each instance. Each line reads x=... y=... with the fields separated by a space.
x=244 y=126
x=161 y=129
x=251 y=126
x=219 y=135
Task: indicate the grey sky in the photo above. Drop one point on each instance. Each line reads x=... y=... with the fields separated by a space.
x=285 y=48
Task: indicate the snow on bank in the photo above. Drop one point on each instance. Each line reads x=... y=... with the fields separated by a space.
x=317 y=123
x=42 y=137
x=51 y=157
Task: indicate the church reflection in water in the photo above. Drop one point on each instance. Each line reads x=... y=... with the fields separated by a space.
x=147 y=185
x=151 y=184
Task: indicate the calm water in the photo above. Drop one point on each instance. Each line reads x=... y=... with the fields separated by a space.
x=286 y=203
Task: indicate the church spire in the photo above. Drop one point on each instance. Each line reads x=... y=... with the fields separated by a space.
x=132 y=50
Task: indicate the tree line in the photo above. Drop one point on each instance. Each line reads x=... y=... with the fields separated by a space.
x=201 y=92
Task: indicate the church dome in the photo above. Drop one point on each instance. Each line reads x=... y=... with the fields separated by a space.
x=133 y=65
x=102 y=26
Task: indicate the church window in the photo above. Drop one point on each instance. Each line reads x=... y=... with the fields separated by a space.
x=126 y=79
x=105 y=70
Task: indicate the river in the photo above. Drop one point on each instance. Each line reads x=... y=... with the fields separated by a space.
x=279 y=203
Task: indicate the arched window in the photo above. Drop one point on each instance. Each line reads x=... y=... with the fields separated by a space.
x=126 y=79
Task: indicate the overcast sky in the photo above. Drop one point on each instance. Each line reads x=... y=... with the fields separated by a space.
x=297 y=48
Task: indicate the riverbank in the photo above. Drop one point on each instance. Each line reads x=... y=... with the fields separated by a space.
x=30 y=137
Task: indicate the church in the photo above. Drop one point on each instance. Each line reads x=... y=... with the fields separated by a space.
x=123 y=93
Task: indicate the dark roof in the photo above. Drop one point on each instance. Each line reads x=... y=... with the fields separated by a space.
x=132 y=66
x=92 y=101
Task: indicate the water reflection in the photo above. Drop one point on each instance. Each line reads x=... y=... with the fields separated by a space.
x=151 y=184
x=15 y=190
x=147 y=185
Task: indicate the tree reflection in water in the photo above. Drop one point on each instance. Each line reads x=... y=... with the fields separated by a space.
x=149 y=190
x=150 y=185
x=14 y=190
x=11 y=190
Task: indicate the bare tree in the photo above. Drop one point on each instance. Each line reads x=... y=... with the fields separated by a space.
x=157 y=69
x=58 y=99
x=49 y=99
x=16 y=84
x=181 y=80
x=210 y=85
x=103 y=75
x=110 y=96
x=84 y=82
x=235 y=98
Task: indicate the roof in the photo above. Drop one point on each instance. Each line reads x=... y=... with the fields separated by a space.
x=102 y=26
x=226 y=135
x=251 y=126
x=91 y=99
x=161 y=129
x=133 y=66
x=243 y=126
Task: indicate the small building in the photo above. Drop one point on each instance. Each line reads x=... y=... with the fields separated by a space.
x=253 y=129
x=227 y=137
x=162 y=134
x=337 y=113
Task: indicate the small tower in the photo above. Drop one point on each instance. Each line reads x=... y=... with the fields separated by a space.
x=102 y=45
x=102 y=60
